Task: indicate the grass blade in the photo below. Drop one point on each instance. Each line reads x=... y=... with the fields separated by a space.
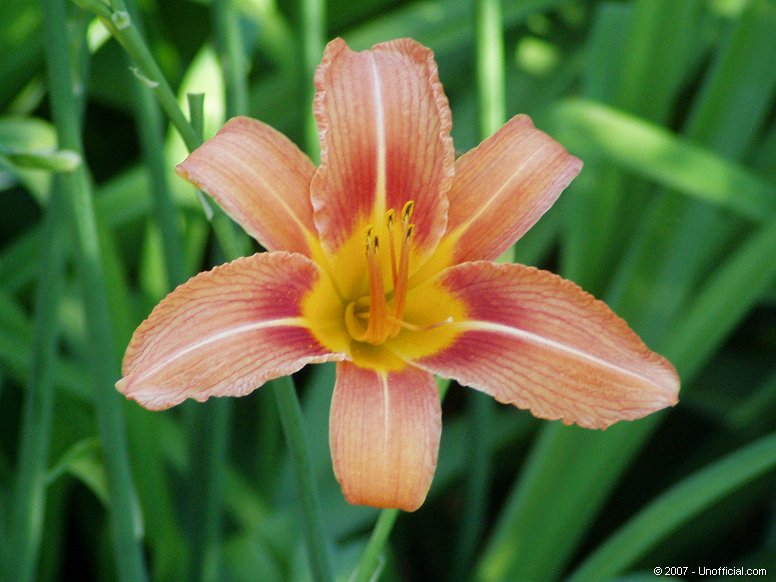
x=30 y=494
x=296 y=437
x=675 y=507
x=126 y=525
x=489 y=37
x=655 y=153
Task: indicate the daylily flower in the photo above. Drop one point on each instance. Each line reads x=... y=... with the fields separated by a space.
x=381 y=260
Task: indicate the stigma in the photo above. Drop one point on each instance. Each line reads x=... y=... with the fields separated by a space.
x=376 y=318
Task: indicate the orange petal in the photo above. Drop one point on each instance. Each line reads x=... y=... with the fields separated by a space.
x=261 y=179
x=503 y=186
x=224 y=333
x=538 y=341
x=384 y=125
x=384 y=435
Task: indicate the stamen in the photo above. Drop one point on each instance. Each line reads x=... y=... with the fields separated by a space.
x=377 y=328
x=384 y=321
x=400 y=291
x=389 y=223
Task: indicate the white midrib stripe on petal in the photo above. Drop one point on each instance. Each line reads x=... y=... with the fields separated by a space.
x=498 y=192
x=546 y=342
x=380 y=182
x=259 y=178
x=386 y=406
x=222 y=335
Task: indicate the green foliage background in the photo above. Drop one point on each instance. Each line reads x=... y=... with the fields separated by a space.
x=672 y=105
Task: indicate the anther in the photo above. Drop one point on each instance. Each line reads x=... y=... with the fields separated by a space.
x=389 y=218
x=406 y=212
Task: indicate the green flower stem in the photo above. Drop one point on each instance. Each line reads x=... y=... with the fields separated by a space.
x=196 y=102
x=490 y=94
x=210 y=423
x=369 y=564
x=229 y=46
x=151 y=133
x=151 y=141
x=293 y=428
x=311 y=35
x=117 y=20
x=209 y=429
x=125 y=521
x=30 y=494
x=118 y=23
x=313 y=30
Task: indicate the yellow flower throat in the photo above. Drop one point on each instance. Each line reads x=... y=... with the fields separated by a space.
x=353 y=309
x=374 y=319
